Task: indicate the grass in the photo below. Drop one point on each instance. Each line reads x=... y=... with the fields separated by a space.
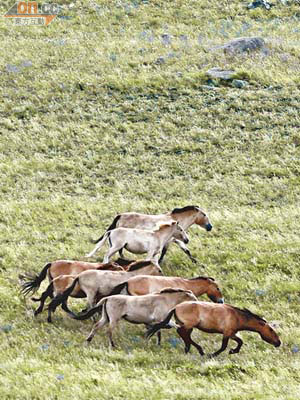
x=102 y=115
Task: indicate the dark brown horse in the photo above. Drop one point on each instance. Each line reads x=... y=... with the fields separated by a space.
x=216 y=318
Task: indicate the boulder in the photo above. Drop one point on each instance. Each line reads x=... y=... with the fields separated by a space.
x=243 y=44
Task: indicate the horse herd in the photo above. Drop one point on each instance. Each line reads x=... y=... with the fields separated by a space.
x=136 y=290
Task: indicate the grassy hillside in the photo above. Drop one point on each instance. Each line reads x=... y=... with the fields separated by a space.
x=111 y=110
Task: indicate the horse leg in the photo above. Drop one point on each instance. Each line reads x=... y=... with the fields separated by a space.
x=185 y=249
x=111 y=251
x=185 y=335
x=111 y=327
x=47 y=293
x=98 y=325
x=64 y=306
x=239 y=344
x=163 y=253
x=223 y=347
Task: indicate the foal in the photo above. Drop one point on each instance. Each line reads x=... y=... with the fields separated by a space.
x=216 y=318
x=148 y=309
x=141 y=285
x=141 y=241
x=97 y=284
x=186 y=217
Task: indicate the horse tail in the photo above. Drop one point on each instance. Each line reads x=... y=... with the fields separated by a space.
x=62 y=297
x=154 y=328
x=34 y=281
x=118 y=289
x=110 y=228
x=90 y=312
x=100 y=244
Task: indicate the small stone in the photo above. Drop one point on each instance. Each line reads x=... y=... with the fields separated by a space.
x=12 y=68
x=220 y=73
x=6 y=328
x=295 y=348
x=239 y=84
x=60 y=377
x=160 y=60
x=260 y=292
x=26 y=64
x=136 y=339
x=174 y=342
x=166 y=39
x=260 y=3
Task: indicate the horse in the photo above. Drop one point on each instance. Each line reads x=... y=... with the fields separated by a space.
x=148 y=309
x=61 y=267
x=140 y=241
x=141 y=285
x=216 y=318
x=186 y=216
x=96 y=284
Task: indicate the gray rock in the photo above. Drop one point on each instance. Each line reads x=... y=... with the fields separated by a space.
x=243 y=44
x=239 y=84
x=220 y=73
x=12 y=68
x=160 y=60
x=260 y=3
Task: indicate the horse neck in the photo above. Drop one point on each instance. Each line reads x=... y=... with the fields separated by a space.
x=197 y=286
x=185 y=219
x=165 y=234
x=144 y=270
x=251 y=324
x=175 y=299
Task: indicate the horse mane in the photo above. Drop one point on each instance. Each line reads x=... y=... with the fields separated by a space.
x=171 y=290
x=162 y=226
x=138 y=264
x=184 y=209
x=249 y=314
x=202 y=277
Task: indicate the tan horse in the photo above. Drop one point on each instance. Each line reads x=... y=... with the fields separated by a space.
x=141 y=241
x=55 y=269
x=97 y=284
x=146 y=310
x=186 y=217
x=217 y=318
x=141 y=285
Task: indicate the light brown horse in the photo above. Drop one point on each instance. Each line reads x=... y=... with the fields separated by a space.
x=57 y=268
x=148 y=309
x=216 y=318
x=141 y=241
x=186 y=217
x=97 y=284
x=141 y=285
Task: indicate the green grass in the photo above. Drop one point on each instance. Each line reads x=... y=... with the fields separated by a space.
x=108 y=119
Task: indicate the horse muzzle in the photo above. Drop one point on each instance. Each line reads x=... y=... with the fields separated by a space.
x=208 y=227
x=186 y=240
x=216 y=299
x=277 y=344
